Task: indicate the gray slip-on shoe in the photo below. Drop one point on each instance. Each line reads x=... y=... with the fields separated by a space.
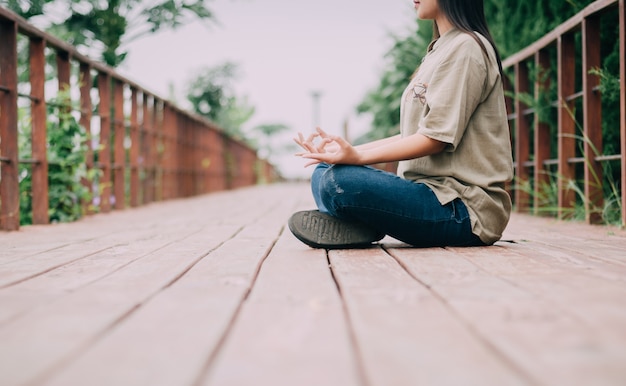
x=321 y=230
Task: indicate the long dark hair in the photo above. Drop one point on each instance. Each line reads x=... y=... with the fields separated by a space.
x=469 y=17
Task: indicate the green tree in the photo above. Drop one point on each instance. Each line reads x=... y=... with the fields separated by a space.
x=107 y=26
x=517 y=24
x=211 y=93
x=383 y=102
x=263 y=136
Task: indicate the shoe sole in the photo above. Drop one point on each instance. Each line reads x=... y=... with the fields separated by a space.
x=320 y=230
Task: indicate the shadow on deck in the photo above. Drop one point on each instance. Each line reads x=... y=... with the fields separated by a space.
x=214 y=290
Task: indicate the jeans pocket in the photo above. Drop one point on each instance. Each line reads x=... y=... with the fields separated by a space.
x=459 y=211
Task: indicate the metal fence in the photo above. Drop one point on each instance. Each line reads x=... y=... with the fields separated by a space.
x=143 y=147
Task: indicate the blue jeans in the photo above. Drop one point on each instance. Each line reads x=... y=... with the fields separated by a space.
x=402 y=209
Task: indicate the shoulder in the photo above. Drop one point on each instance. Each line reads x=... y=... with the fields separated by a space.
x=465 y=43
x=469 y=48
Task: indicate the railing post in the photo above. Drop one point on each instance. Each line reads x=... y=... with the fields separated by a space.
x=169 y=154
x=567 y=123
x=37 y=76
x=522 y=136
x=85 y=122
x=145 y=150
x=134 y=149
x=63 y=73
x=119 y=153
x=104 y=155
x=592 y=124
x=622 y=71
x=157 y=150
x=9 y=168
x=542 y=129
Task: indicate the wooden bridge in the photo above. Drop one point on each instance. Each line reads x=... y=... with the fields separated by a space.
x=213 y=290
x=193 y=279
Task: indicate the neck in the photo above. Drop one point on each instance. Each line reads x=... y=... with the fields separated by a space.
x=443 y=25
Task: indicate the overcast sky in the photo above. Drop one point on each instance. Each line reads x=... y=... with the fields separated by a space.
x=285 y=49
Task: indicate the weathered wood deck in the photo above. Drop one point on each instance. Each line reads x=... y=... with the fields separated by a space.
x=214 y=290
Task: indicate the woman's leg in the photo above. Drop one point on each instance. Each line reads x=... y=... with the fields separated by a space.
x=315 y=185
x=407 y=211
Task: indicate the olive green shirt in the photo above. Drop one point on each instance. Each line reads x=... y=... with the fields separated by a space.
x=457 y=97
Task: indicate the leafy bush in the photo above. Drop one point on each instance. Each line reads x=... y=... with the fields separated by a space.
x=66 y=152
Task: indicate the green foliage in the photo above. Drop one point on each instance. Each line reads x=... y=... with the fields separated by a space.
x=67 y=146
x=105 y=26
x=517 y=24
x=212 y=95
x=383 y=102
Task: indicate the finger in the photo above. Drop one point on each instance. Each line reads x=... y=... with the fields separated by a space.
x=300 y=143
x=339 y=141
x=312 y=137
x=312 y=162
x=307 y=146
x=322 y=133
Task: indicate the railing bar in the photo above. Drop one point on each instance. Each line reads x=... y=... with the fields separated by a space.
x=29 y=161
x=5 y=89
x=575 y=96
x=28 y=96
x=613 y=157
x=565 y=28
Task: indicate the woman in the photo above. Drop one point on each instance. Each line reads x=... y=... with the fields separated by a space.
x=454 y=151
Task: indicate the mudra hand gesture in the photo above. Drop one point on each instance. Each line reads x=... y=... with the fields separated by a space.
x=330 y=149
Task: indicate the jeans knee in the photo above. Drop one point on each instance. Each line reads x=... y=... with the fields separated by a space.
x=335 y=182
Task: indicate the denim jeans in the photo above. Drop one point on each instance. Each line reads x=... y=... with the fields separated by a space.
x=403 y=209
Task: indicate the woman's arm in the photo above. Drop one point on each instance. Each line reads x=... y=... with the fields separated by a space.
x=377 y=143
x=392 y=149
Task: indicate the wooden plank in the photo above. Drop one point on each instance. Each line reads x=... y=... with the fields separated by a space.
x=35 y=344
x=179 y=328
x=306 y=340
x=86 y=114
x=406 y=333
x=40 y=342
x=87 y=268
x=37 y=75
x=569 y=260
x=119 y=152
x=292 y=330
x=534 y=332
x=134 y=149
x=592 y=121
x=9 y=183
x=602 y=243
x=590 y=348
x=145 y=164
x=566 y=122
x=157 y=151
x=104 y=153
x=522 y=137
x=543 y=140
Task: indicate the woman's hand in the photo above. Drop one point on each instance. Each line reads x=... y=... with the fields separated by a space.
x=330 y=149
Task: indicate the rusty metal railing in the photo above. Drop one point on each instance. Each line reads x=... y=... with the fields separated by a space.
x=574 y=49
x=148 y=150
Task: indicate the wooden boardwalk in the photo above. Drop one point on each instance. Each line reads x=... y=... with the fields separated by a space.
x=214 y=290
